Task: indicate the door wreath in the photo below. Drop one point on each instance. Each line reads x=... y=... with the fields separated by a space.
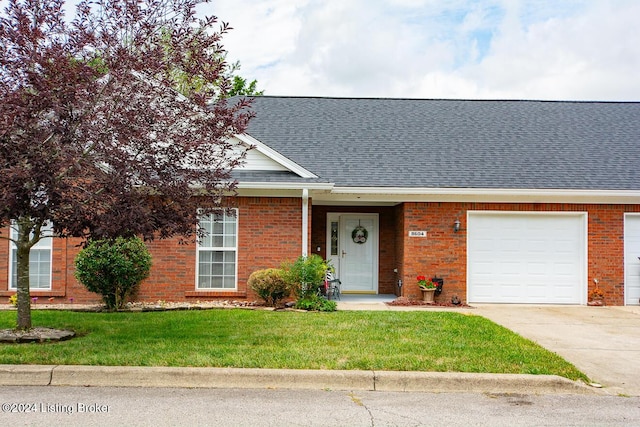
x=359 y=235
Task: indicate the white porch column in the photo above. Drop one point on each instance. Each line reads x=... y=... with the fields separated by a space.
x=305 y=221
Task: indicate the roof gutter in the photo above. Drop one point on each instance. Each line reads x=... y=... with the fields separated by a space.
x=405 y=194
x=323 y=192
x=322 y=186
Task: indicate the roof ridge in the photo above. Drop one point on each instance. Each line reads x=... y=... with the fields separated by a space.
x=558 y=101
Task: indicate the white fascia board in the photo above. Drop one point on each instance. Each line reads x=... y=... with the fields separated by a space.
x=281 y=189
x=275 y=156
x=319 y=186
x=402 y=194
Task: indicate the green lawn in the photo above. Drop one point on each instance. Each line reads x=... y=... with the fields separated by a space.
x=387 y=340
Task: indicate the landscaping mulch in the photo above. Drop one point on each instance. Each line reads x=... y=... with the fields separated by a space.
x=406 y=302
x=35 y=335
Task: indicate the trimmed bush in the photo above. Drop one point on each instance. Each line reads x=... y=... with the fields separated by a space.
x=316 y=303
x=270 y=285
x=113 y=268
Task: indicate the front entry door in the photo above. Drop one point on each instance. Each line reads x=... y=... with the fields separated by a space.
x=356 y=257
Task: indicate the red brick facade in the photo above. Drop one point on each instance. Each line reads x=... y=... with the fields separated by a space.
x=444 y=252
x=269 y=232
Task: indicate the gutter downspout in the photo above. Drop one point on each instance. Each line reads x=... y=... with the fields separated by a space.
x=305 y=221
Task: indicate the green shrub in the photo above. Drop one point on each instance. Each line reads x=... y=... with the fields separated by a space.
x=316 y=302
x=306 y=274
x=270 y=285
x=113 y=268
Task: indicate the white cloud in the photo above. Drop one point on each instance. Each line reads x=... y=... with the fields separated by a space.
x=575 y=49
x=576 y=57
x=522 y=49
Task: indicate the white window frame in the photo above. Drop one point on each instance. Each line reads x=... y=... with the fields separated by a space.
x=202 y=247
x=45 y=244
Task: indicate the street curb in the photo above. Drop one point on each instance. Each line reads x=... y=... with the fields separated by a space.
x=464 y=382
x=25 y=374
x=400 y=381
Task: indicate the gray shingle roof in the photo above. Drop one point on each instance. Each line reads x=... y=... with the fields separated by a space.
x=273 y=176
x=456 y=143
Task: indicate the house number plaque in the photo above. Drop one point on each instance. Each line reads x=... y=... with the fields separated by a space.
x=417 y=233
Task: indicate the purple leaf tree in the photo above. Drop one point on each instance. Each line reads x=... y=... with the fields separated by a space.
x=116 y=124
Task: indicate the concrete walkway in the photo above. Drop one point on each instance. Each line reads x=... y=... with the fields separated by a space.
x=603 y=342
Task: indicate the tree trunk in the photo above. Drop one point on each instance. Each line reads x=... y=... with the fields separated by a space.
x=24 y=296
x=28 y=235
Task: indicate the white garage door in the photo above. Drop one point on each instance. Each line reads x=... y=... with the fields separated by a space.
x=527 y=258
x=631 y=261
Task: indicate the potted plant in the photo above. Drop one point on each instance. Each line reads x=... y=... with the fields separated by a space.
x=428 y=289
x=596 y=297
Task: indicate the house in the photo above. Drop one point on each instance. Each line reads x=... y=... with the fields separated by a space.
x=507 y=201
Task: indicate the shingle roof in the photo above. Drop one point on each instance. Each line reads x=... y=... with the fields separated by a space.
x=273 y=176
x=456 y=143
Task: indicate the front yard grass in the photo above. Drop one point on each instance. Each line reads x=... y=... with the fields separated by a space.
x=388 y=340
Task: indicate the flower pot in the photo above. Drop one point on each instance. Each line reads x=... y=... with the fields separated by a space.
x=428 y=295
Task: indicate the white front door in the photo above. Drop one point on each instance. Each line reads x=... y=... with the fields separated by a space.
x=631 y=259
x=352 y=247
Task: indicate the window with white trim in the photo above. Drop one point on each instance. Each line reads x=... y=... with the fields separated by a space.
x=217 y=252
x=39 y=260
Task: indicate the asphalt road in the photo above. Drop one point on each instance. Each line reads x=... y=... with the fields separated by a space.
x=109 y=406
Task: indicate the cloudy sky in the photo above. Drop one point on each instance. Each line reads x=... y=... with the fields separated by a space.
x=470 y=49
x=482 y=49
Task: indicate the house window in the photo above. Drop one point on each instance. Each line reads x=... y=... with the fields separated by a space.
x=217 y=251
x=39 y=261
x=334 y=237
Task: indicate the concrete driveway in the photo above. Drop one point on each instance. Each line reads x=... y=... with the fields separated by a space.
x=603 y=342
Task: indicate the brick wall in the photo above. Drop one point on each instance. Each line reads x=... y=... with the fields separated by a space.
x=443 y=252
x=269 y=233
x=64 y=287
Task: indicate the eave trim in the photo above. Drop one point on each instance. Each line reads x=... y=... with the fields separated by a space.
x=275 y=156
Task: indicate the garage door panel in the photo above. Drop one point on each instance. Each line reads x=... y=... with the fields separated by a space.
x=484 y=269
x=537 y=270
x=537 y=246
x=564 y=270
x=507 y=246
x=536 y=290
x=563 y=247
x=509 y=289
x=533 y=258
x=632 y=263
x=510 y=268
x=563 y=290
